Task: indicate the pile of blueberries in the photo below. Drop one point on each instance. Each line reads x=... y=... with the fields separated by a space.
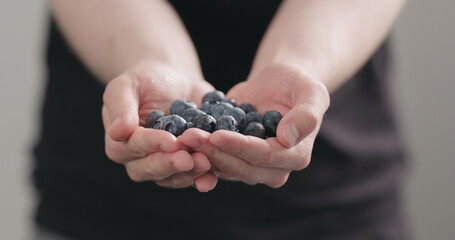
x=215 y=113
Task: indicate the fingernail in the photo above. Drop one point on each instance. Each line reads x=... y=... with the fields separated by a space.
x=291 y=133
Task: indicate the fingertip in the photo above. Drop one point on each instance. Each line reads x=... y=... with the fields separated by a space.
x=296 y=125
x=122 y=128
x=201 y=163
x=182 y=161
x=206 y=182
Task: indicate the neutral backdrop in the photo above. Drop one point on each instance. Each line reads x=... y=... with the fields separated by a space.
x=423 y=38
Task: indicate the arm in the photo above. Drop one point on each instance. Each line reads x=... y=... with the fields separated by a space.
x=111 y=36
x=309 y=50
x=142 y=51
x=330 y=40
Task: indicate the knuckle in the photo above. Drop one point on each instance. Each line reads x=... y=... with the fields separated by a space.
x=312 y=118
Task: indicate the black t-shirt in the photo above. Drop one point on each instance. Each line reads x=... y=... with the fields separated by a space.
x=349 y=191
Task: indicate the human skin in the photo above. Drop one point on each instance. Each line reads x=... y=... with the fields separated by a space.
x=146 y=65
x=310 y=49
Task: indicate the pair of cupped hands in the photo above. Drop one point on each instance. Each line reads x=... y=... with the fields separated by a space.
x=198 y=158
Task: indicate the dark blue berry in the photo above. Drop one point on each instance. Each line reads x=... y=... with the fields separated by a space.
x=215 y=96
x=255 y=129
x=238 y=114
x=205 y=122
x=175 y=125
x=218 y=110
x=152 y=118
x=230 y=101
x=253 y=117
x=189 y=125
x=246 y=107
x=179 y=106
x=270 y=121
x=208 y=106
x=226 y=122
x=159 y=123
x=191 y=113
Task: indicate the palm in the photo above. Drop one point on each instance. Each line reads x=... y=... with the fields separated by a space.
x=158 y=86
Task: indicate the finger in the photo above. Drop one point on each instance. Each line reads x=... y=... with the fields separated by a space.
x=231 y=167
x=142 y=142
x=186 y=179
x=264 y=153
x=121 y=102
x=206 y=182
x=158 y=166
x=297 y=124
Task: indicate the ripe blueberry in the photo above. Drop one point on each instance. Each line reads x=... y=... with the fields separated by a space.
x=205 y=122
x=191 y=113
x=253 y=117
x=179 y=106
x=238 y=114
x=255 y=129
x=216 y=96
x=208 y=106
x=226 y=122
x=175 y=125
x=218 y=110
x=230 y=101
x=159 y=123
x=270 y=121
x=152 y=118
x=246 y=107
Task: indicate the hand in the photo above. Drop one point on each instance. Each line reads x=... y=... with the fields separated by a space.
x=150 y=154
x=301 y=99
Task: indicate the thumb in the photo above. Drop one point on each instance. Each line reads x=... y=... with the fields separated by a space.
x=121 y=104
x=297 y=124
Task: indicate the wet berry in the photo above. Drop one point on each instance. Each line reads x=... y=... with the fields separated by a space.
x=179 y=106
x=270 y=121
x=215 y=96
x=153 y=116
x=255 y=129
x=175 y=125
x=226 y=122
x=205 y=122
x=246 y=107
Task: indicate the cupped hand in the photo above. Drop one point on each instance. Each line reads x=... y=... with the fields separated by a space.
x=299 y=97
x=150 y=154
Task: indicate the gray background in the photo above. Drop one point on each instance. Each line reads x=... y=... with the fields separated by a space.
x=424 y=39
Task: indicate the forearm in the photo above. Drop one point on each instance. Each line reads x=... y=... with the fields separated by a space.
x=329 y=39
x=111 y=36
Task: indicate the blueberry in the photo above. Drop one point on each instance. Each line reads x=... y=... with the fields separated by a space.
x=152 y=118
x=217 y=96
x=270 y=121
x=230 y=101
x=179 y=106
x=175 y=125
x=255 y=129
x=218 y=110
x=246 y=107
x=159 y=123
x=191 y=113
x=208 y=106
x=253 y=117
x=205 y=122
x=238 y=114
x=226 y=122
x=189 y=125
